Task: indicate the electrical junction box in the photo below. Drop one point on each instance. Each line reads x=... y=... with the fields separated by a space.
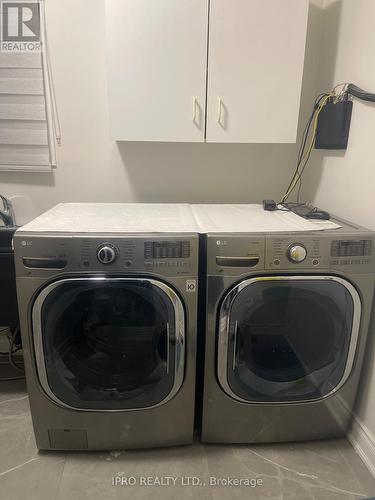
x=334 y=125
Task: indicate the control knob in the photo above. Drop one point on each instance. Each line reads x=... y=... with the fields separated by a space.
x=297 y=253
x=106 y=254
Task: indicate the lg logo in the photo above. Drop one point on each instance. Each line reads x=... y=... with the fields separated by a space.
x=221 y=243
x=20 y=26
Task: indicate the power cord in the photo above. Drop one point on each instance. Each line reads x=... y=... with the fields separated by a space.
x=12 y=351
x=359 y=93
x=14 y=347
x=2 y=332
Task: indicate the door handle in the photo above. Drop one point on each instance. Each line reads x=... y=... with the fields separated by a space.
x=251 y=261
x=220 y=111
x=168 y=346
x=235 y=333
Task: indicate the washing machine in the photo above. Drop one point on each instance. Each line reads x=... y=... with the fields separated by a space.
x=108 y=309
x=287 y=316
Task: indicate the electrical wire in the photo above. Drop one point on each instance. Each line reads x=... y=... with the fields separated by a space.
x=343 y=85
x=13 y=349
x=300 y=186
x=304 y=140
x=4 y=331
x=359 y=93
x=303 y=154
x=308 y=154
x=12 y=352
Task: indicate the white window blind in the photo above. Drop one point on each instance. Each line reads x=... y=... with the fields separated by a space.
x=27 y=111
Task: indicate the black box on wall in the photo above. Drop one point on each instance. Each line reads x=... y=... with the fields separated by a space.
x=334 y=125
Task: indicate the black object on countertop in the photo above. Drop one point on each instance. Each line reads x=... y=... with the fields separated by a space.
x=269 y=205
x=8 y=295
x=306 y=211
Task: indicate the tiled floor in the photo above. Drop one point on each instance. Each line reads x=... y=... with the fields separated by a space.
x=309 y=471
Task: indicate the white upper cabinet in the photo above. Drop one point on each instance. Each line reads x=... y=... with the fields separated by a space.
x=158 y=51
x=157 y=57
x=255 y=68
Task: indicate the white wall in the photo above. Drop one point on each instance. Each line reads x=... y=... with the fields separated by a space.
x=92 y=168
x=344 y=183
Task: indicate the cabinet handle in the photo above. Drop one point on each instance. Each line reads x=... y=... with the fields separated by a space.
x=220 y=111
x=195 y=105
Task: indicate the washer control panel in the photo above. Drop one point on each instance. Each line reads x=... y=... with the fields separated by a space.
x=167 y=250
x=165 y=255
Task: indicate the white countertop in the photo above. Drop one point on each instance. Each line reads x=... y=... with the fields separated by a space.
x=115 y=218
x=253 y=219
x=133 y=218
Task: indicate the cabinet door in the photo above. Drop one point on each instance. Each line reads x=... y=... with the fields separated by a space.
x=256 y=56
x=157 y=55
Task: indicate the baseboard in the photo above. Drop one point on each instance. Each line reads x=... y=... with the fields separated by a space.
x=363 y=441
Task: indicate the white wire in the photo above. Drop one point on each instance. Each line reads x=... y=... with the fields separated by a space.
x=342 y=84
x=342 y=91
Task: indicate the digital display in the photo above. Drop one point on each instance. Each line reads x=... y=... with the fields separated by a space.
x=167 y=249
x=351 y=248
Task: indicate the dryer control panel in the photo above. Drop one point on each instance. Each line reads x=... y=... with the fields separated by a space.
x=320 y=251
x=234 y=255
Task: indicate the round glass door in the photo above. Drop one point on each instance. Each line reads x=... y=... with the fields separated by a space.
x=287 y=339
x=109 y=344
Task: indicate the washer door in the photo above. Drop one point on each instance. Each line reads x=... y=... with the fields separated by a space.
x=109 y=344
x=287 y=338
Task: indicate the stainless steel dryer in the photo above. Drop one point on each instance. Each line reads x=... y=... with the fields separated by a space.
x=287 y=317
x=108 y=310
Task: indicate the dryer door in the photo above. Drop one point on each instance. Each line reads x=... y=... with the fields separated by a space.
x=287 y=338
x=109 y=344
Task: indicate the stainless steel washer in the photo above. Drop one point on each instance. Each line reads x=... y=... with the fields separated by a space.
x=108 y=309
